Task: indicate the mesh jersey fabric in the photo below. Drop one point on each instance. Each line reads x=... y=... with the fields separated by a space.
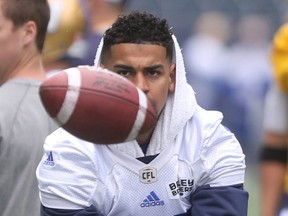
x=97 y=174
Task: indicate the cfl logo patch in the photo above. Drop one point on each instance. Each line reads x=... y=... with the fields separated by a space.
x=148 y=175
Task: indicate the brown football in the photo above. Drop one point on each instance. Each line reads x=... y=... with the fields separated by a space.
x=97 y=105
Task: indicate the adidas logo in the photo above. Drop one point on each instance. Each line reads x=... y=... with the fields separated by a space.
x=49 y=161
x=152 y=200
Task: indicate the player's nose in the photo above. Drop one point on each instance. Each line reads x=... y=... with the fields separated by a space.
x=141 y=82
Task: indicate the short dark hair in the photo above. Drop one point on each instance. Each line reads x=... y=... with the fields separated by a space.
x=139 y=28
x=22 y=11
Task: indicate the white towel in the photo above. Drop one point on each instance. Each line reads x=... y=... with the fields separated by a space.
x=179 y=108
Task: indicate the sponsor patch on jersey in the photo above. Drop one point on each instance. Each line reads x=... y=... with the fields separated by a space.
x=181 y=188
x=50 y=160
x=152 y=200
x=148 y=175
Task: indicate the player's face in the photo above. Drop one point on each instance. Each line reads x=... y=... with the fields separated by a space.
x=147 y=67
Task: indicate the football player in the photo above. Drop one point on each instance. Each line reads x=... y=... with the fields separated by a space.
x=274 y=187
x=187 y=164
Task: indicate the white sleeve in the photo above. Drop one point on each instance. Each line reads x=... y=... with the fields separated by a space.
x=223 y=158
x=66 y=174
x=276 y=110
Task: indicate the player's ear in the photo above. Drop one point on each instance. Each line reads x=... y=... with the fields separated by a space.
x=29 y=32
x=172 y=78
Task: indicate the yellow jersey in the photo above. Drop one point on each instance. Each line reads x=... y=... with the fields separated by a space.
x=280 y=57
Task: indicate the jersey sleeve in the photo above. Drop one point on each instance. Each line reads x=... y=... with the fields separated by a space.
x=226 y=200
x=221 y=191
x=219 y=168
x=88 y=211
x=67 y=177
x=275 y=116
x=222 y=158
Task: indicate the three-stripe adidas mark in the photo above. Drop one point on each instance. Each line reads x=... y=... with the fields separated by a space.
x=49 y=161
x=152 y=200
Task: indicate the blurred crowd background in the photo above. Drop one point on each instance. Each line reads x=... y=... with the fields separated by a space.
x=226 y=46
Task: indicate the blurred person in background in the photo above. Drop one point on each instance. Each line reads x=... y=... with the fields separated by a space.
x=24 y=124
x=75 y=30
x=205 y=54
x=67 y=22
x=248 y=76
x=100 y=14
x=274 y=174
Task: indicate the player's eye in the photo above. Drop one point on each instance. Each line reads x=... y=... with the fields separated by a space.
x=153 y=73
x=124 y=73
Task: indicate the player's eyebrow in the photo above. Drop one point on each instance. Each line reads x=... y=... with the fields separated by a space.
x=127 y=67
x=123 y=66
x=154 y=67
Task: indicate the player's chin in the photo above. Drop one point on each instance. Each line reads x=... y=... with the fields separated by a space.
x=154 y=105
x=144 y=137
x=158 y=109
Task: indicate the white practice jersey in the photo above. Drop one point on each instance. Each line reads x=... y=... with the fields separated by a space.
x=204 y=153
